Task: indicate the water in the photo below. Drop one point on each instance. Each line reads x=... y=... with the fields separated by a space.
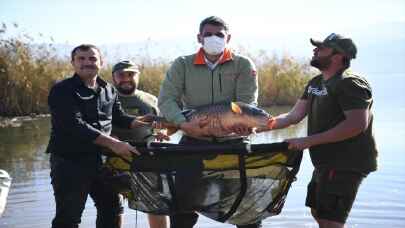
x=380 y=202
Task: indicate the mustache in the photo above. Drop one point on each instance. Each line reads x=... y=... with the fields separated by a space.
x=126 y=91
x=130 y=83
x=88 y=67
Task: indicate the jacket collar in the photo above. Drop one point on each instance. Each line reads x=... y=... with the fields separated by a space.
x=200 y=58
x=78 y=81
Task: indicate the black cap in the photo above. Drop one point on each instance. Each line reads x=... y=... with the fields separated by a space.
x=125 y=65
x=339 y=43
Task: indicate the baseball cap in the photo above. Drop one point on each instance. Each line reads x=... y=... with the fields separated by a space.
x=339 y=43
x=125 y=65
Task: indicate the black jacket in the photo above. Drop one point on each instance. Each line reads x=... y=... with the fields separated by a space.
x=80 y=114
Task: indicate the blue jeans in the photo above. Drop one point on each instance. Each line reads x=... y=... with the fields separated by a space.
x=72 y=182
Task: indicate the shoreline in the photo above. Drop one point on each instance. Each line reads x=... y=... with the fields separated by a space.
x=17 y=121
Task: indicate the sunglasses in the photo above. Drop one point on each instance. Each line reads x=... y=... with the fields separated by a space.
x=218 y=34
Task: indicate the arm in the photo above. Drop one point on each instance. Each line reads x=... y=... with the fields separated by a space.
x=171 y=92
x=122 y=119
x=297 y=113
x=66 y=116
x=356 y=122
x=247 y=82
x=294 y=116
x=354 y=97
x=120 y=148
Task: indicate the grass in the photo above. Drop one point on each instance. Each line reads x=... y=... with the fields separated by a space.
x=28 y=70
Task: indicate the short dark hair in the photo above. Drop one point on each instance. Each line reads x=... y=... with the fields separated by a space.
x=84 y=47
x=213 y=20
x=346 y=61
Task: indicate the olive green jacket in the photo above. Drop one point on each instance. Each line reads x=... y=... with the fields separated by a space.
x=189 y=83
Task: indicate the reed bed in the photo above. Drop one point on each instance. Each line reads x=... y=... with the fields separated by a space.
x=28 y=69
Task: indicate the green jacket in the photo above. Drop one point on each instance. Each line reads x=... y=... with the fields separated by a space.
x=189 y=83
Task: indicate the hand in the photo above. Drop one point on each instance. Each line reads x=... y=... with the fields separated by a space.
x=271 y=125
x=123 y=149
x=148 y=118
x=299 y=143
x=241 y=129
x=161 y=136
x=138 y=123
x=158 y=125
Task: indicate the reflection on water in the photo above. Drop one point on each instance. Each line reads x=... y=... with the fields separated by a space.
x=22 y=149
x=380 y=203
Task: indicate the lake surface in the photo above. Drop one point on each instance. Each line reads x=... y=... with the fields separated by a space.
x=380 y=202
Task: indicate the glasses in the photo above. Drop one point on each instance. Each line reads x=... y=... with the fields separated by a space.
x=218 y=34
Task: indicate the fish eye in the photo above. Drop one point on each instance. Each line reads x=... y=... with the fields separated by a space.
x=260 y=112
x=254 y=111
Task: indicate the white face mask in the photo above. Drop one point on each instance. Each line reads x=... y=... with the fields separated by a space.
x=214 y=45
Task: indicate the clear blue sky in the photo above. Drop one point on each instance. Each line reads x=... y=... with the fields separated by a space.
x=282 y=25
x=114 y=21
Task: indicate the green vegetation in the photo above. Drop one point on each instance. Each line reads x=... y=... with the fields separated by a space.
x=28 y=70
x=26 y=74
x=281 y=80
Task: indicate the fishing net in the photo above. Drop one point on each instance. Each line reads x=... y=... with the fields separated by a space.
x=231 y=186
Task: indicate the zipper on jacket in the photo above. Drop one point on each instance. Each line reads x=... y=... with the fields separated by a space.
x=220 y=83
x=212 y=87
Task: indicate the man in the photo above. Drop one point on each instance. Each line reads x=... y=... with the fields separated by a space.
x=83 y=108
x=125 y=75
x=340 y=138
x=213 y=75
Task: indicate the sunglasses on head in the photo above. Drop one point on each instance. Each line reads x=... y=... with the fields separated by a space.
x=218 y=34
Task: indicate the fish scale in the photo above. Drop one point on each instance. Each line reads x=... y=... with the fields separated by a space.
x=215 y=119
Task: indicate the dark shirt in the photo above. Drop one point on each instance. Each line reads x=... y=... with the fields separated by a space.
x=80 y=114
x=140 y=103
x=327 y=101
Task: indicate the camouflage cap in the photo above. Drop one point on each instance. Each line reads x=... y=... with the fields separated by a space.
x=339 y=43
x=125 y=65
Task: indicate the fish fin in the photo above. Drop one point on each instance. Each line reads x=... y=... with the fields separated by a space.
x=188 y=113
x=236 y=108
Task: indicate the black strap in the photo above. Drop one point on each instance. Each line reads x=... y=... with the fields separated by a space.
x=242 y=192
x=277 y=204
x=170 y=182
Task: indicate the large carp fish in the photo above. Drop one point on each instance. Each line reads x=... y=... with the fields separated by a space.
x=215 y=120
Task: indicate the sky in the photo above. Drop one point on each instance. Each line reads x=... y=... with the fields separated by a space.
x=169 y=27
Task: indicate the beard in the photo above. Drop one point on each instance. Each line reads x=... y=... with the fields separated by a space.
x=126 y=88
x=322 y=63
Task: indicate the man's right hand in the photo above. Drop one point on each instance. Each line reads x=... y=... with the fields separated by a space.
x=123 y=149
x=118 y=147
